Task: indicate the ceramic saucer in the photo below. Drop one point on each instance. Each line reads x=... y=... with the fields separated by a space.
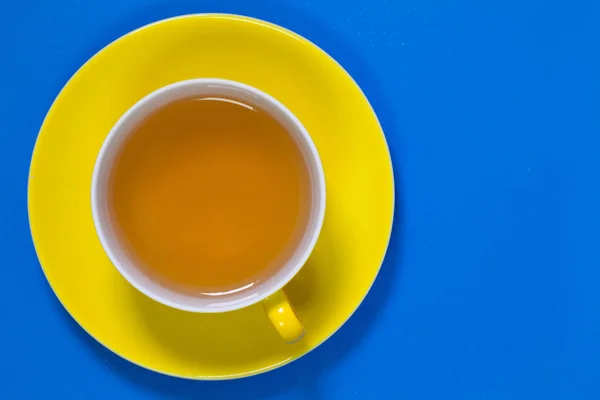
x=358 y=172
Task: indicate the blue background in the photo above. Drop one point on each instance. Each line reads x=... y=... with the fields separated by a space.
x=491 y=286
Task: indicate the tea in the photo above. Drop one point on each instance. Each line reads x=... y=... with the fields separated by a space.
x=210 y=195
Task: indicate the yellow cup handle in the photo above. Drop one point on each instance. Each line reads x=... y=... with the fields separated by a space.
x=283 y=317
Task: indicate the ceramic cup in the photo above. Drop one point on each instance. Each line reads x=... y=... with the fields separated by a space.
x=269 y=292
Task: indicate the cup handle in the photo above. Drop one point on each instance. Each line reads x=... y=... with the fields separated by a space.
x=282 y=315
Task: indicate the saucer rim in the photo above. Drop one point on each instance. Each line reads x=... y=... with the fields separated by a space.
x=295 y=35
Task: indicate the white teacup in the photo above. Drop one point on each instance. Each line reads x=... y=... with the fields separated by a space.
x=268 y=291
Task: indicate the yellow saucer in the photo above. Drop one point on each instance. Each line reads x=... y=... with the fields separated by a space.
x=358 y=172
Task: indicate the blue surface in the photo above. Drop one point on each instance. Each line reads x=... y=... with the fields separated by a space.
x=491 y=286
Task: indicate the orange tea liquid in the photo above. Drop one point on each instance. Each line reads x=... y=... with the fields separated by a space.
x=210 y=195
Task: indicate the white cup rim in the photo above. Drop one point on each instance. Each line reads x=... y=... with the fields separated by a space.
x=120 y=131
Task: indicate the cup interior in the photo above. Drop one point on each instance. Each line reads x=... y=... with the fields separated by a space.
x=130 y=267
